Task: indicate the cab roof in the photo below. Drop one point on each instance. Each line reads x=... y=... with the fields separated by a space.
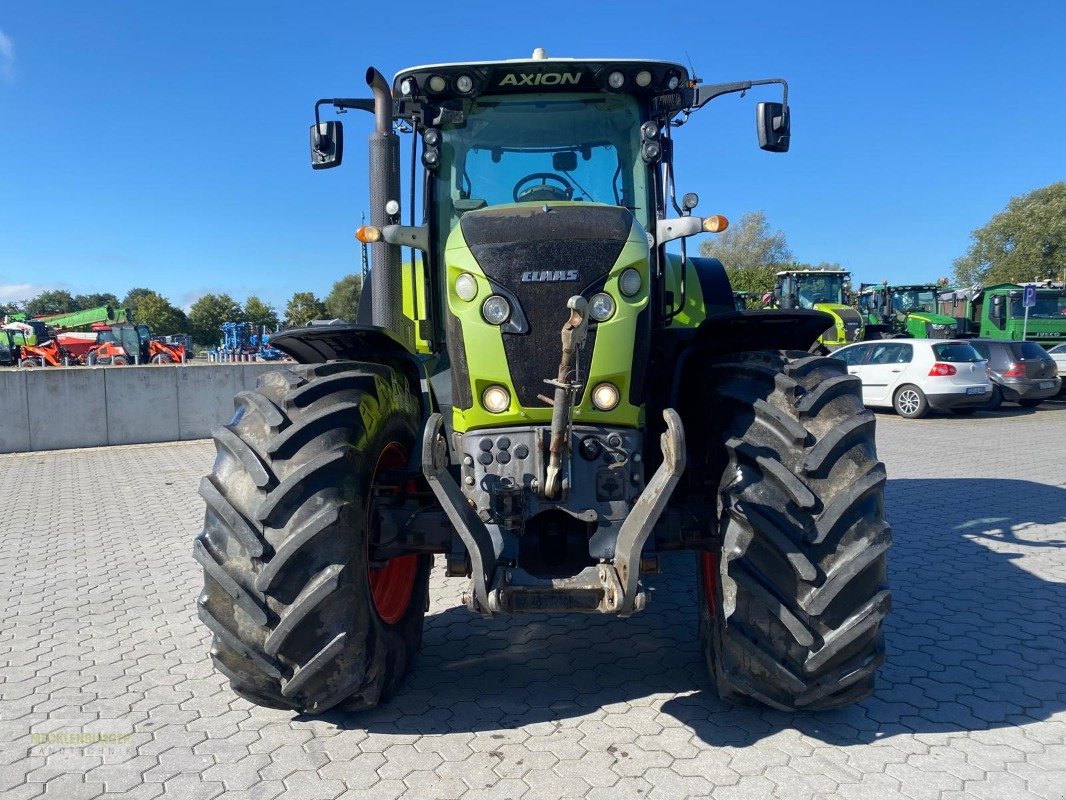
x=642 y=77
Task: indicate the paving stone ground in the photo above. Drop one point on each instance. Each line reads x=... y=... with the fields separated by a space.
x=106 y=690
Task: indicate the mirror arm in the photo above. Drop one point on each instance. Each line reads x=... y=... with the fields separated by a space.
x=359 y=103
x=702 y=95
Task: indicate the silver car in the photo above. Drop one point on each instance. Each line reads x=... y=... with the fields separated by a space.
x=914 y=376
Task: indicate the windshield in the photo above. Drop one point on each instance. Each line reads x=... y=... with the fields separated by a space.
x=813 y=289
x=538 y=148
x=909 y=300
x=1049 y=305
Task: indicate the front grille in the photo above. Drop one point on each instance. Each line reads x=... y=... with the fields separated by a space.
x=852 y=323
x=508 y=242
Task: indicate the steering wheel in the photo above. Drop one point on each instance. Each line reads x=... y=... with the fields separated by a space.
x=544 y=191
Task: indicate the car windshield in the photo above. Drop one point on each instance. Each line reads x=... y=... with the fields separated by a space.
x=1028 y=350
x=956 y=352
x=536 y=148
x=813 y=289
x=1057 y=349
x=909 y=300
x=1050 y=304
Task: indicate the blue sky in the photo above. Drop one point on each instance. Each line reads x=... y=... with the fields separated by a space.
x=165 y=145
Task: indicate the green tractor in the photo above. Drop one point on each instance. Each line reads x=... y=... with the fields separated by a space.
x=822 y=290
x=903 y=310
x=546 y=395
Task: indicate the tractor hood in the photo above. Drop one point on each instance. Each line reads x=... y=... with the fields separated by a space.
x=536 y=256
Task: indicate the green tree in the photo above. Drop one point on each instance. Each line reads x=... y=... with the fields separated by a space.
x=260 y=313
x=95 y=300
x=133 y=298
x=160 y=316
x=302 y=308
x=748 y=244
x=751 y=252
x=342 y=302
x=207 y=315
x=1026 y=240
x=56 y=301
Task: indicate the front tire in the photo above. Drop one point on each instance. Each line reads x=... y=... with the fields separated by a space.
x=162 y=358
x=793 y=598
x=301 y=618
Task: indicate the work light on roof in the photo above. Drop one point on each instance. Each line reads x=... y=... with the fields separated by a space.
x=464 y=83
x=616 y=80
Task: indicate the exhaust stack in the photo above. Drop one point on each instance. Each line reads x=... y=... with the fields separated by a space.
x=386 y=284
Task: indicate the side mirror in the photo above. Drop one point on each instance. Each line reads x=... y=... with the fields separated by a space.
x=327 y=144
x=773 y=126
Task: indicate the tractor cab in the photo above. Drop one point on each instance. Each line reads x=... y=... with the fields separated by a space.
x=904 y=310
x=9 y=351
x=822 y=290
x=122 y=344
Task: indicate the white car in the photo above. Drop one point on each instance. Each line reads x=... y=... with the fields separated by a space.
x=913 y=376
x=1058 y=352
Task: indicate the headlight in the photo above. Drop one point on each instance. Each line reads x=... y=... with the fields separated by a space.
x=605 y=396
x=616 y=80
x=496 y=399
x=643 y=78
x=466 y=287
x=464 y=83
x=496 y=310
x=629 y=282
x=601 y=307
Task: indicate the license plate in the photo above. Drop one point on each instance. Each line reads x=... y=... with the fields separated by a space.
x=1047 y=384
x=976 y=390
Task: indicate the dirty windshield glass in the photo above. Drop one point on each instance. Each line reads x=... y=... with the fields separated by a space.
x=909 y=300
x=820 y=289
x=537 y=148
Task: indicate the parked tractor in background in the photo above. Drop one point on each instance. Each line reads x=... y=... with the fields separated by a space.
x=121 y=345
x=903 y=310
x=549 y=399
x=997 y=312
x=824 y=290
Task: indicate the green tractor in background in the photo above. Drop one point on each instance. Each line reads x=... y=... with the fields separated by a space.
x=549 y=393
x=824 y=290
x=903 y=310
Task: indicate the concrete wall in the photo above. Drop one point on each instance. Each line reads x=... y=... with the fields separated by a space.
x=56 y=408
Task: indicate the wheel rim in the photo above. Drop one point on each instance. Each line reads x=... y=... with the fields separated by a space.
x=909 y=401
x=391 y=586
x=709 y=565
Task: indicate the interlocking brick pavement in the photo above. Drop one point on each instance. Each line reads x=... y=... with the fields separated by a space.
x=106 y=690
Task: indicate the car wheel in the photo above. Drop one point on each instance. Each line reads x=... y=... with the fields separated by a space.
x=996 y=400
x=910 y=402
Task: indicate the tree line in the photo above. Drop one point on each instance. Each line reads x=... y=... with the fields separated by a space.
x=207 y=314
x=1025 y=241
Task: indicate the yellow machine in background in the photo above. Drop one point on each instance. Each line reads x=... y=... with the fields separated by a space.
x=822 y=290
